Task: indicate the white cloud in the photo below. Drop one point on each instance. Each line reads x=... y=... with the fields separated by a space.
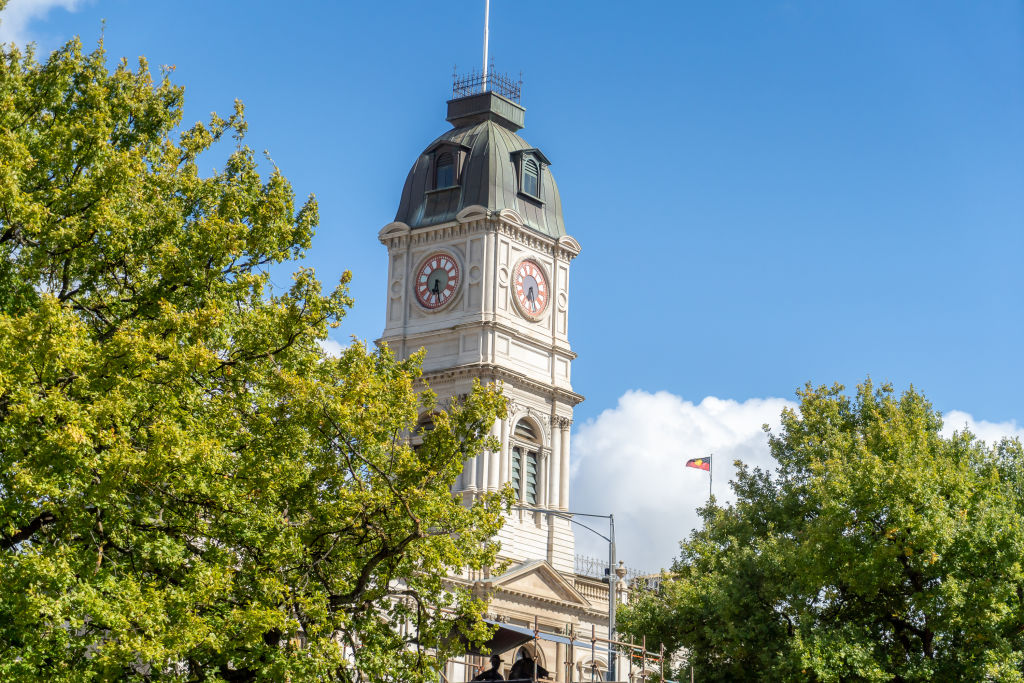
x=331 y=347
x=989 y=432
x=630 y=461
x=16 y=17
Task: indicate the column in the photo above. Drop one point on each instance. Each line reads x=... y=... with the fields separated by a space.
x=469 y=475
x=493 y=465
x=481 y=471
x=563 y=492
x=504 y=474
x=554 y=465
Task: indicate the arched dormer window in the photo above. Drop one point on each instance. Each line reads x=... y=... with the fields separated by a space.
x=530 y=164
x=531 y=178
x=444 y=171
x=524 y=471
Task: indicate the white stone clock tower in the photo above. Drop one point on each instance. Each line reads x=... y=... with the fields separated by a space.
x=478 y=275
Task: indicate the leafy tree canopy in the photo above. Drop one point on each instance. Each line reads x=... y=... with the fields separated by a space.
x=878 y=551
x=189 y=488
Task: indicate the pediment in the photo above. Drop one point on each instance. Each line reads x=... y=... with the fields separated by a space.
x=570 y=244
x=447 y=145
x=536 y=578
x=395 y=229
x=471 y=213
x=511 y=216
x=532 y=152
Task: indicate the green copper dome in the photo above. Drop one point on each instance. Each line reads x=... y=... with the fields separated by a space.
x=482 y=161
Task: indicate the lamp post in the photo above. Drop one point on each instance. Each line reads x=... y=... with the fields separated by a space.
x=613 y=578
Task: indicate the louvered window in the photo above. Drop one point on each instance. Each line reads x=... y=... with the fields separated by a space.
x=517 y=465
x=524 y=430
x=530 y=496
x=531 y=178
x=444 y=171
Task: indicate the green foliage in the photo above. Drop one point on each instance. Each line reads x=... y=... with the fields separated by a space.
x=189 y=488
x=878 y=551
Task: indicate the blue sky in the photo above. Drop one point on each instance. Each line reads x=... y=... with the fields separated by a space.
x=767 y=193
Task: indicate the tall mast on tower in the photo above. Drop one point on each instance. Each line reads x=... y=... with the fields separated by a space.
x=487 y=27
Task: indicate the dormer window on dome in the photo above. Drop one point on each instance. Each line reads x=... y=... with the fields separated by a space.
x=531 y=178
x=446 y=160
x=444 y=171
x=530 y=163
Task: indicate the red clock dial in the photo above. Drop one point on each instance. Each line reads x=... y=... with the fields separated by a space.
x=530 y=289
x=437 y=280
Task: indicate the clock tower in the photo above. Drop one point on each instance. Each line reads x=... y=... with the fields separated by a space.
x=478 y=275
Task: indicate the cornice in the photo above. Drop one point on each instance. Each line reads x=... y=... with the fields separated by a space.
x=475 y=219
x=563 y=605
x=496 y=325
x=492 y=591
x=495 y=373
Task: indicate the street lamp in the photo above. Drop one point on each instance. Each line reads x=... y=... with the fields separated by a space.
x=613 y=578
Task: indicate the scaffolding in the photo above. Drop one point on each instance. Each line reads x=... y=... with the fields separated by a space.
x=641 y=661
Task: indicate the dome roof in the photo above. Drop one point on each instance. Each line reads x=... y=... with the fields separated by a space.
x=488 y=159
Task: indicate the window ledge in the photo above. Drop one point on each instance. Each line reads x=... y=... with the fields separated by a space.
x=439 y=190
x=530 y=197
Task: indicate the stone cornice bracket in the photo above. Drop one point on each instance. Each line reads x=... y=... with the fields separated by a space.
x=392 y=232
x=567 y=248
x=397 y=234
x=473 y=213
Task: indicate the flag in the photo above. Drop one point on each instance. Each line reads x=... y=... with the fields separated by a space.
x=700 y=463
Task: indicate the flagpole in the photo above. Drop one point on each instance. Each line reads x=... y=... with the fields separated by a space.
x=487 y=29
x=711 y=474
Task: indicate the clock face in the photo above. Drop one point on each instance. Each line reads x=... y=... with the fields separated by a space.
x=530 y=289
x=437 y=280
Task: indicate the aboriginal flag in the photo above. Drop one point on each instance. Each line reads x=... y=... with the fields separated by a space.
x=700 y=463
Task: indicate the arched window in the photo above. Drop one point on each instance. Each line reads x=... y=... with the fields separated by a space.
x=525 y=431
x=444 y=171
x=523 y=473
x=423 y=425
x=426 y=424
x=592 y=670
x=536 y=654
x=531 y=178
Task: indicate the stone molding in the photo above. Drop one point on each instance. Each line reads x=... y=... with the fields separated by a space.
x=496 y=373
x=475 y=219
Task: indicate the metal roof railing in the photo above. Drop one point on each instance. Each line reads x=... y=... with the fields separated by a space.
x=476 y=82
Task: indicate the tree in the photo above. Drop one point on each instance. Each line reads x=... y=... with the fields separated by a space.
x=878 y=551
x=190 y=489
